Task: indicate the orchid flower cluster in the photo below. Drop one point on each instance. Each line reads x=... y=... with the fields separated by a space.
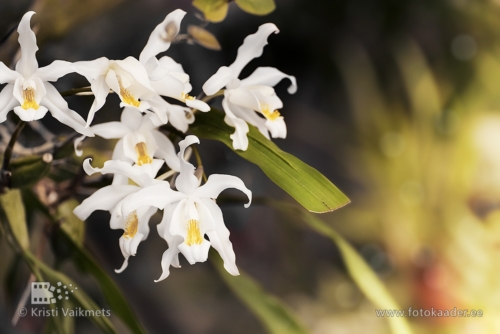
x=142 y=149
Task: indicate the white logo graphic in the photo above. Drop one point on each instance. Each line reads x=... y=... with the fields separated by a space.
x=43 y=292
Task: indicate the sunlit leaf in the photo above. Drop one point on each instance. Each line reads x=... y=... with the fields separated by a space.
x=29 y=170
x=304 y=183
x=203 y=37
x=214 y=10
x=257 y=7
x=364 y=277
x=273 y=314
x=13 y=209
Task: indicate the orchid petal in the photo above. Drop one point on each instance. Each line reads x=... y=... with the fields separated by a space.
x=119 y=155
x=186 y=182
x=277 y=127
x=7 y=101
x=131 y=118
x=114 y=166
x=100 y=89
x=92 y=69
x=269 y=76
x=160 y=40
x=191 y=209
x=128 y=248
x=30 y=114
x=59 y=109
x=134 y=68
x=27 y=64
x=244 y=98
x=110 y=130
x=180 y=117
x=173 y=241
x=252 y=47
x=239 y=137
x=7 y=75
x=219 y=238
x=55 y=70
x=159 y=107
x=171 y=65
x=77 y=143
x=131 y=140
x=166 y=150
x=216 y=183
x=251 y=117
x=219 y=80
x=158 y=195
x=169 y=86
x=185 y=211
x=171 y=255
x=103 y=199
x=198 y=104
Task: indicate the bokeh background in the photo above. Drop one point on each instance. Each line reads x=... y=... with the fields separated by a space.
x=398 y=104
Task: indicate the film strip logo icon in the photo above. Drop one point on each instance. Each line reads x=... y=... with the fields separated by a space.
x=44 y=293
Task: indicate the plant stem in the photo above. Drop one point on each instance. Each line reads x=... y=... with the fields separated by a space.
x=10 y=147
x=208 y=98
x=75 y=91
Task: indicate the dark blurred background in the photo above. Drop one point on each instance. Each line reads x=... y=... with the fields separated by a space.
x=397 y=104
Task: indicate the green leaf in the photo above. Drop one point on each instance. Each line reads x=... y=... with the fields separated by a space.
x=364 y=277
x=29 y=170
x=256 y=7
x=13 y=209
x=79 y=297
x=70 y=224
x=304 y=183
x=214 y=10
x=273 y=314
x=117 y=302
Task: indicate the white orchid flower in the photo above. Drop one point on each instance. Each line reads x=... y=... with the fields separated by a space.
x=28 y=90
x=139 y=140
x=189 y=214
x=242 y=98
x=130 y=79
x=135 y=225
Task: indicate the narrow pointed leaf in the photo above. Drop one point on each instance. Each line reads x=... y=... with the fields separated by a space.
x=70 y=224
x=115 y=298
x=13 y=209
x=364 y=277
x=304 y=183
x=271 y=312
x=117 y=302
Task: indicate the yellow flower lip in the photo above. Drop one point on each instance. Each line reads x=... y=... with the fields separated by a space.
x=142 y=154
x=193 y=233
x=270 y=115
x=126 y=96
x=185 y=96
x=131 y=225
x=29 y=99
